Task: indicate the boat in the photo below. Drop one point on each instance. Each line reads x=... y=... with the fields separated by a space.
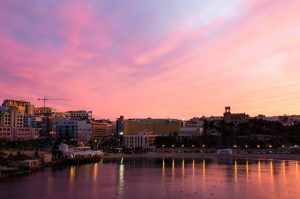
x=79 y=157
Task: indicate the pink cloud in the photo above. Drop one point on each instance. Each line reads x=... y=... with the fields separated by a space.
x=248 y=60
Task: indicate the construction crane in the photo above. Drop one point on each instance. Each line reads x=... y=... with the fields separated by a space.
x=47 y=99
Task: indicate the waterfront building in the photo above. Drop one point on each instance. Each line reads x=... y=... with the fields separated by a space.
x=144 y=140
x=79 y=130
x=156 y=126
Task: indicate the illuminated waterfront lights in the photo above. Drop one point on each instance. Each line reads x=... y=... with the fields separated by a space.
x=235 y=171
x=183 y=169
x=247 y=168
x=203 y=169
x=193 y=168
x=173 y=168
x=163 y=167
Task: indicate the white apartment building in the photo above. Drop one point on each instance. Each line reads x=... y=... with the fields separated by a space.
x=144 y=140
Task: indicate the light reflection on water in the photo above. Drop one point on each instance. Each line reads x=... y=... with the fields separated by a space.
x=121 y=178
x=161 y=178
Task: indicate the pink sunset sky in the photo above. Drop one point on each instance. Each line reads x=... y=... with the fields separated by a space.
x=153 y=58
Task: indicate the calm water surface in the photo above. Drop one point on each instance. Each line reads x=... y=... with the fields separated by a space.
x=160 y=178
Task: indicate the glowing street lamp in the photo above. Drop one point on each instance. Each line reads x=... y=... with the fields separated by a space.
x=203 y=146
x=270 y=146
x=193 y=146
x=258 y=146
x=182 y=145
x=246 y=146
x=234 y=146
x=172 y=145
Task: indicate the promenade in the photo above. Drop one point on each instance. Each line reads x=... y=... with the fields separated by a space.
x=206 y=155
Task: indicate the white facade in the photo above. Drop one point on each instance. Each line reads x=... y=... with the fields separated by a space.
x=143 y=140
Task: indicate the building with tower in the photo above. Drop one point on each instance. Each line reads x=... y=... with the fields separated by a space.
x=234 y=117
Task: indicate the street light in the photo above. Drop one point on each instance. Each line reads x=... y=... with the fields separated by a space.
x=258 y=146
x=246 y=146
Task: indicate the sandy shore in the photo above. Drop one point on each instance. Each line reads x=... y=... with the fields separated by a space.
x=207 y=155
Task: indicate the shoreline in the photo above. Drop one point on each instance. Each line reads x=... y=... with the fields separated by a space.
x=287 y=157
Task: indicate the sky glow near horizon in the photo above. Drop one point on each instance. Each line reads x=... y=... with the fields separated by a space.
x=167 y=58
